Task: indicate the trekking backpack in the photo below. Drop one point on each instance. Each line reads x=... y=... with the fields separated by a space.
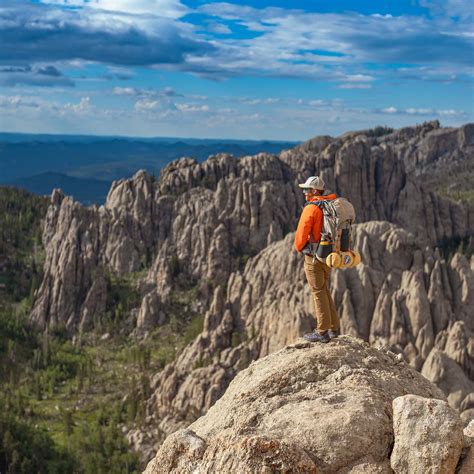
x=335 y=244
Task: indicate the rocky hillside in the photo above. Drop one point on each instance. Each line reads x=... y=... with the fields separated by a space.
x=222 y=232
x=342 y=407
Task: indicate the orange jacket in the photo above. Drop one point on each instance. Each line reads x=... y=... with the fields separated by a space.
x=311 y=223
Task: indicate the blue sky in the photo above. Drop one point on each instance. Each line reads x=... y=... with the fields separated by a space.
x=262 y=69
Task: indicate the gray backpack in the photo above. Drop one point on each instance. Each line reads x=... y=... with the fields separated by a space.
x=338 y=217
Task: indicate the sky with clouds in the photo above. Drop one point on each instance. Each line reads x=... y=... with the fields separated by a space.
x=258 y=69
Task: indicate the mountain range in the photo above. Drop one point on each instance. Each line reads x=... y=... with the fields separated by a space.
x=214 y=240
x=143 y=310
x=85 y=166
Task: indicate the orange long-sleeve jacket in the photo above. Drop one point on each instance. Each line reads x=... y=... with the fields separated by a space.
x=311 y=223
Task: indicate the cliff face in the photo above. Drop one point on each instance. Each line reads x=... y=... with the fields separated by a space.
x=225 y=226
x=340 y=407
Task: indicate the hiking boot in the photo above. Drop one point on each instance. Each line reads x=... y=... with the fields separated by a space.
x=316 y=337
x=333 y=334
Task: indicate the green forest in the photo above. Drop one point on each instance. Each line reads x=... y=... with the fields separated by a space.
x=64 y=406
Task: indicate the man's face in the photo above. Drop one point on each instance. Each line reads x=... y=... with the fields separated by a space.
x=309 y=193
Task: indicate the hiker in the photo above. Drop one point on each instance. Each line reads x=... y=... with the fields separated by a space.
x=307 y=241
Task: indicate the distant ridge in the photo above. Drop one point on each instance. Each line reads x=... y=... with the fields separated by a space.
x=110 y=158
x=85 y=190
x=11 y=137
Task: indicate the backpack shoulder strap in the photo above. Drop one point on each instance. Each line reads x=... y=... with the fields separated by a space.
x=315 y=203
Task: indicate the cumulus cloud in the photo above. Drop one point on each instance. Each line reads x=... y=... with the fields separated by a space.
x=83 y=107
x=146 y=105
x=192 y=108
x=94 y=35
x=415 y=111
x=359 y=78
x=279 y=42
x=218 y=28
x=294 y=42
x=166 y=92
x=424 y=111
x=20 y=103
x=128 y=91
x=17 y=101
x=164 y=8
x=451 y=113
x=452 y=8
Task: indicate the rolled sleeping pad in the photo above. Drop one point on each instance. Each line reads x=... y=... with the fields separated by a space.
x=347 y=260
x=333 y=260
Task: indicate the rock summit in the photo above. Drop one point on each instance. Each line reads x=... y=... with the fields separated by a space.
x=317 y=408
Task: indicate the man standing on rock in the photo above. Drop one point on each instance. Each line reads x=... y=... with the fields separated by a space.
x=307 y=239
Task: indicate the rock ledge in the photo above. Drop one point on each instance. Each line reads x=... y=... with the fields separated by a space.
x=306 y=408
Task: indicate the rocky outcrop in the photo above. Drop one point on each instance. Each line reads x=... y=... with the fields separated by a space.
x=378 y=175
x=306 y=408
x=72 y=292
x=84 y=244
x=217 y=213
x=466 y=465
x=390 y=299
x=449 y=366
x=428 y=435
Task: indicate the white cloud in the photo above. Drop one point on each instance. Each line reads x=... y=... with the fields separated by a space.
x=452 y=8
x=317 y=103
x=21 y=104
x=425 y=111
x=415 y=111
x=192 y=108
x=96 y=36
x=218 y=28
x=163 y=8
x=283 y=42
x=359 y=78
x=297 y=118
x=354 y=86
x=17 y=101
x=166 y=92
x=146 y=105
x=451 y=113
x=128 y=91
x=390 y=110
x=83 y=107
x=294 y=43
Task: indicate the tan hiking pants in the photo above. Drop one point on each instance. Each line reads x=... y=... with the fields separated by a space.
x=317 y=274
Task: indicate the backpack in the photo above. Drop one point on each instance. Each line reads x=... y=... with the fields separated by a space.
x=335 y=243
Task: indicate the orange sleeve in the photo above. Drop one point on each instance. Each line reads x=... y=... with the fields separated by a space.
x=310 y=224
x=305 y=226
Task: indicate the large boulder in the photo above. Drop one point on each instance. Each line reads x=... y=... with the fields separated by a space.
x=306 y=408
x=428 y=436
x=466 y=465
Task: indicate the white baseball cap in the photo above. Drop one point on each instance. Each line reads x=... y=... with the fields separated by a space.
x=313 y=182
